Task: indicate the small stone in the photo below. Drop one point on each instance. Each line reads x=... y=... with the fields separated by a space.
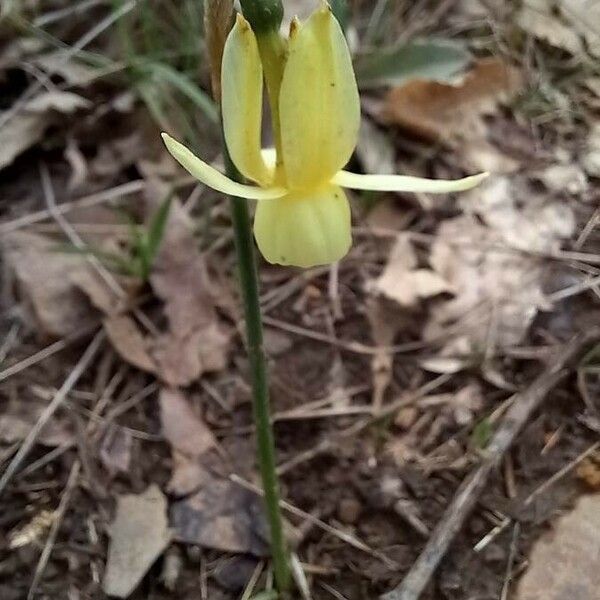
x=349 y=510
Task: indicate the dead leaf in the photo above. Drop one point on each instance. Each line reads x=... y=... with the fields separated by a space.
x=537 y=18
x=27 y=128
x=181 y=427
x=129 y=342
x=402 y=281
x=73 y=72
x=221 y=515
x=466 y=403
x=591 y=157
x=564 y=562
x=115 y=449
x=196 y=341
x=589 y=471
x=44 y=278
x=32 y=531
x=435 y=110
x=138 y=536
x=584 y=17
x=568 y=178
x=497 y=289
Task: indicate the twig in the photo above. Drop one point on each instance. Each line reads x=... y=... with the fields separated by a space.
x=44 y=353
x=70 y=381
x=79 y=45
x=114 y=193
x=560 y=474
x=294 y=510
x=58 y=519
x=511 y=561
x=522 y=406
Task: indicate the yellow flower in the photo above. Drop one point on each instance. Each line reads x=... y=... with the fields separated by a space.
x=303 y=216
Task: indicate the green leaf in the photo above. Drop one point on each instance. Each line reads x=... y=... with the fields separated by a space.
x=438 y=60
x=186 y=86
x=154 y=236
x=481 y=435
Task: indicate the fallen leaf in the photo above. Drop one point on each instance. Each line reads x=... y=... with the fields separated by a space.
x=591 y=156
x=584 y=16
x=563 y=563
x=18 y=418
x=402 y=281
x=73 y=72
x=45 y=283
x=115 y=449
x=181 y=427
x=589 y=471
x=196 y=341
x=32 y=531
x=559 y=179
x=25 y=129
x=138 y=536
x=537 y=18
x=496 y=285
x=435 y=110
x=129 y=342
x=221 y=515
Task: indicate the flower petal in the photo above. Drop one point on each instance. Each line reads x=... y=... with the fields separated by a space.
x=304 y=230
x=404 y=183
x=318 y=103
x=212 y=178
x=242 y=91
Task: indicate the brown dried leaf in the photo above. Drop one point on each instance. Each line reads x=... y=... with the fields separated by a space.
x=18 y=418
x=435 y=110
x=138 y=536
x=115 y=449
x=181 y=427
x=564 y=562
x=221 y=515
x=27 y=128
x=497 y=287
x=218 y=18
x=195 y=342
x=129 y=342
x=46 y=282
x=538 y=18
x=402 y=281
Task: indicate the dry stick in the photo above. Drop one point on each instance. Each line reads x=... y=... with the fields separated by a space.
x=523 y=405
x=115 y=193
x=58 y=519
x=58 y=399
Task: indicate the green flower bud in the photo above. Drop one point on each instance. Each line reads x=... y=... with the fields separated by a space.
x=263 y=15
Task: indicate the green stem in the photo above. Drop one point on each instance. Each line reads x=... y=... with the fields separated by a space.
x=244 y=245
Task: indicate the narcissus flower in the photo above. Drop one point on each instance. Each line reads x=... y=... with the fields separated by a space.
x=303 y=216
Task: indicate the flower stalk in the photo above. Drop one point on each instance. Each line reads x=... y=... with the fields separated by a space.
x=266 y=16
x=244 y=246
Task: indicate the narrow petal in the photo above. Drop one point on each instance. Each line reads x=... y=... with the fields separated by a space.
x=242 y=85
x=404 y=183
x=304 y=230
x=212 y=178
x=318 y=103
